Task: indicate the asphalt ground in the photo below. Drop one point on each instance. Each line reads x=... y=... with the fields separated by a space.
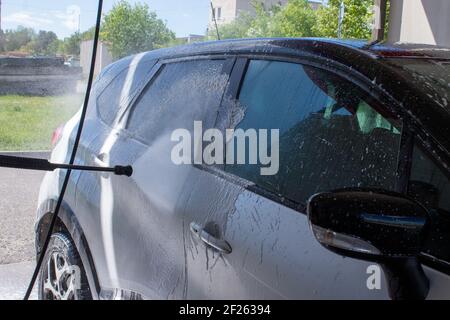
x=19 y=190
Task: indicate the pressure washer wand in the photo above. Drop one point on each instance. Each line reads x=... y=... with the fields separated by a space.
x=45 y=165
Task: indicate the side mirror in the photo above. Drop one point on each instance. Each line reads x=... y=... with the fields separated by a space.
x=378 y=226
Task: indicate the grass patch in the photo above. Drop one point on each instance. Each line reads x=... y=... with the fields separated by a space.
x=27 y=123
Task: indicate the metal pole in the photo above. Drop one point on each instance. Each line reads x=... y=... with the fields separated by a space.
x=341 y=18
x=215 y=21
x=79 y=21
x=380 y=8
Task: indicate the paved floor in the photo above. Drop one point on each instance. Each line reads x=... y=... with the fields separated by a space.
x=14 y=279
x=19 y=191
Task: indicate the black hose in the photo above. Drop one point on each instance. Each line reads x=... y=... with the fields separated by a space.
x=45 y=165
x=72 y=157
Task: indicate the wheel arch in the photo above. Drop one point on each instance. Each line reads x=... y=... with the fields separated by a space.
x=67 y=222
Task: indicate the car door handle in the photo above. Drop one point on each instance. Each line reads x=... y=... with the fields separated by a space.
x=220 y=245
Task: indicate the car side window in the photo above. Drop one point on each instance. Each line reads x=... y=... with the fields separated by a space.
x=330 y=136
x=430 y=186
x=120 y=89
x=428 y=183
x=182 y=92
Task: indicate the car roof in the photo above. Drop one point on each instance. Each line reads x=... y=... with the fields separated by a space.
x=370 y=61
x=280 y=44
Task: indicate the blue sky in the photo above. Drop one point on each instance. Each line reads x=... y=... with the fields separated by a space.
x=61 y=16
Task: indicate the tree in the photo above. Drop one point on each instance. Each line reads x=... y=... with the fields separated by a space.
x=357 y=23
x=246 y=25
x=2 y=41
x=45 y=43
x=132 y=29
x=16 y=39
x=265 y=21
x=234 y=30
x=71 y=45
x=89 y=34
x=26 y=39
x=296 y=19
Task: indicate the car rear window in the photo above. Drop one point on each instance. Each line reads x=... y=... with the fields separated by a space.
x=181 y=93
x=122 y=88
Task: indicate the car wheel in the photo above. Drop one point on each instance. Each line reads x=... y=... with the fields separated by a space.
x=62 y=275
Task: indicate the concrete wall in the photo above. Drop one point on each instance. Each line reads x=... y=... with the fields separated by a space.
x=228 y=9
x=103 y=58
x=37 y=76
x=420 y=21
x=246 y=5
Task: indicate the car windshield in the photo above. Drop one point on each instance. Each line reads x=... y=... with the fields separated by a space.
x=431 y=76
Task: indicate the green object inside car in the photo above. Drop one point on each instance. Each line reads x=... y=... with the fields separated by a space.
x=369 y=119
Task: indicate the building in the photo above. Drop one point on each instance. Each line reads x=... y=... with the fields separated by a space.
x=191 y=39
x=420 y=21
x=103 y=57
x=316 y=4
x=226 y=11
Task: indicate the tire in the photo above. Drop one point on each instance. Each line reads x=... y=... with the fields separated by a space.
x=62 y=276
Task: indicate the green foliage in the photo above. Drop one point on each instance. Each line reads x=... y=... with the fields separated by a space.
x=71 y=45
x=27 y=122
x=233 y=30
x=88 y=34
x=132 y=29
x=127 y=29
x=14 y=40
x=248 y=25
x=298 y=19
x=27 y=40
x=264 y=23
x=45 y=43
x=357 y=19
x=2 y=41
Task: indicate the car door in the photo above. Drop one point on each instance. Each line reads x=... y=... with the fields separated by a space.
x=247 y=235
x=429 y=184
x=117 y=85
x=140 y=218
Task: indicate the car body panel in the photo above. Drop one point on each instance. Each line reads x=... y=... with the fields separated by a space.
x=133 y=211
x=274 y=253
x=138 y=228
